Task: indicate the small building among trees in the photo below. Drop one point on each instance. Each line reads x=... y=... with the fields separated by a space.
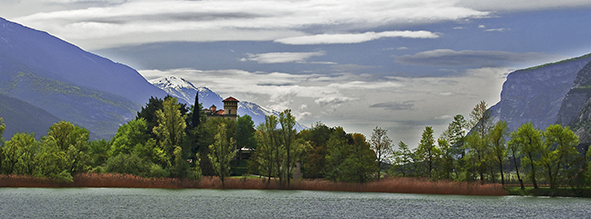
x=229 y=111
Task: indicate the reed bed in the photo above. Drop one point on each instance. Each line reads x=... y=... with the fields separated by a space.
x=392 y=185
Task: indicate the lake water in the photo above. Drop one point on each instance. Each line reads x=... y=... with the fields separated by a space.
x=204 y=203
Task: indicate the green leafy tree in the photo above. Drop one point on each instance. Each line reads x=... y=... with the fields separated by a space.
x=479 y=148
x=155 y=104
x=207 y=132
x=360 y=163
x=52 y=162
x=529 y=141
x=269 y=148
x=287 y=135
x=129 y=164
x=99 y=152
x=338 y=151
x=73 y=140
x=315 y=162
x=129 y=136
x=170 y=130
x=19 y=153
x=382 y=145
x=245 y=134
x=499 y=147
x=2 y=128
x=221 y=153
x=514 y=146
x=350 y=158
x=558 y=153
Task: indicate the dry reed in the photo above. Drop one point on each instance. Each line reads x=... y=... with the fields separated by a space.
x=392 y=185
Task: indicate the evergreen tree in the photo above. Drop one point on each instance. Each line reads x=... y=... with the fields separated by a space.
x=427 y=151
x=196 y=117
x=402 y=159
x=447 y=158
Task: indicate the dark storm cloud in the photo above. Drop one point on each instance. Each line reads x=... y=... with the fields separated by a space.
x=470 y=58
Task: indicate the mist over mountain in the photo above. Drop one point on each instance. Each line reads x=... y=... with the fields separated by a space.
x=185 y=92
x=68 y=82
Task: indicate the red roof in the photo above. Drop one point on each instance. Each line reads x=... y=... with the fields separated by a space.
x=230 y=99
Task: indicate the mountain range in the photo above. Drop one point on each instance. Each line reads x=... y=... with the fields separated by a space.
x=44 y=79
x=185 y=92
x=554 y=93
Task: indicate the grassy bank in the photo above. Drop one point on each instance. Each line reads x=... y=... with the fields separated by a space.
x=546 y=191
x=394 y=185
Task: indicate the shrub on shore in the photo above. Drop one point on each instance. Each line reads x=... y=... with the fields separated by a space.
x=393 y=185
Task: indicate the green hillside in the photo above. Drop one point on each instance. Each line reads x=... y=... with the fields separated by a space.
x=20 y=116
x=101 y=113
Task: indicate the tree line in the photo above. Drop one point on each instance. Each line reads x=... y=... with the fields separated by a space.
x=485 y=151
x=171 y=139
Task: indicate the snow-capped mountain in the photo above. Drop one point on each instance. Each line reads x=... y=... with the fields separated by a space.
x=185 y=91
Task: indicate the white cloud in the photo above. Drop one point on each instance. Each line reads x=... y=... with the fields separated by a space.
x=402 y=105
x=282 y=57
x=141 y=21
x=353 y=38
x=522 y=5
x=497 y=30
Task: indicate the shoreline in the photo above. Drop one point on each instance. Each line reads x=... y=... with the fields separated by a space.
x=391 y=185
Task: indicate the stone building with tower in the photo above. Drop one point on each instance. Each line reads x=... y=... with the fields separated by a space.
x=230 y=110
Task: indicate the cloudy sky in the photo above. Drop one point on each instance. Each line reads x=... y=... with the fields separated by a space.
x=401 y=65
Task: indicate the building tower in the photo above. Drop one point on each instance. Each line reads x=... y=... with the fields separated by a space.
x=231 y=107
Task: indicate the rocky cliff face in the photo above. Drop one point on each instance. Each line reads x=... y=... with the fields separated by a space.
x=576 y=106
x=537 y=94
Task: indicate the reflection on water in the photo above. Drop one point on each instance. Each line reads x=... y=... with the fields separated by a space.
x=202 y=203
